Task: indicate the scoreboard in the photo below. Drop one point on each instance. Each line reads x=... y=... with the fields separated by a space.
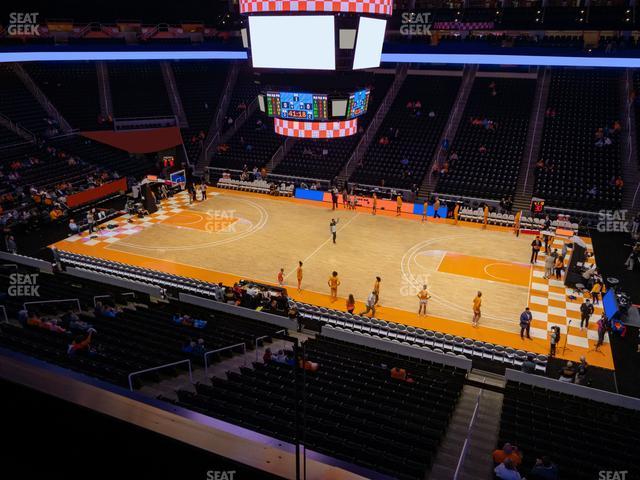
x=358 y=103
x=297 y=106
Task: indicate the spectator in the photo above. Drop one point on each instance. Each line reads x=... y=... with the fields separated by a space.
x=529 y=366
x=544 y=469
x=568 y=373
x=510 y=452
x=73 y=227
x=266 y=358
x=507 y=471
x=581 y=371
x=11 y=245
x=401 y=374
x=81 y=343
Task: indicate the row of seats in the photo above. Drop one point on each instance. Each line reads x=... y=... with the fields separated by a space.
x=260 y=186
x=136 y=339
x=577 y=173
x=583 y=437
x=507 y=103
x=352 y=406
x=72 y=87
x=404 y=161
x=426 y=339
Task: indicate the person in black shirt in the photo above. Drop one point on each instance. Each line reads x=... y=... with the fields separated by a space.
x=536 y=245
x=586 y=310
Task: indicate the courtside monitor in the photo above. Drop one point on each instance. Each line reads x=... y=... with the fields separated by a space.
x=610 y=304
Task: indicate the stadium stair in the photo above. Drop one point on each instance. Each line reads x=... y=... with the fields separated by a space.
x=104 y=90
x=41 y=98
x=468 y=77
x=17 y=129
x=376 y=122
x=282 y=152
x=174 y=95
x=214 y=131
x=524 y=189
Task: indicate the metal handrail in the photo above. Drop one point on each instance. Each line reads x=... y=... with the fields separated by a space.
x=53 y=301
x=266 y=336
x=206 y=354
x=465 y=446
x=159 y=368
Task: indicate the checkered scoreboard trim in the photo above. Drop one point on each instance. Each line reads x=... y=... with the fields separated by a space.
x=295 y=128
x=376 y=7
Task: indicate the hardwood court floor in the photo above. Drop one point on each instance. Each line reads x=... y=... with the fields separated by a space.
x=235 y=235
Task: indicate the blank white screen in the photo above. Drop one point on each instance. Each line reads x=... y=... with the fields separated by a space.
x=369 y=43
x=338 y=108
x=301 y=42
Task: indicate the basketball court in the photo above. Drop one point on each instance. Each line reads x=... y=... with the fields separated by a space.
x=238 y=235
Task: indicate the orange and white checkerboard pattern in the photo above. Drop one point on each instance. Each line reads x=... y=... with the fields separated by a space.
x=295 y=128
x=377 y=7
x=551 y=304
x=106 y=236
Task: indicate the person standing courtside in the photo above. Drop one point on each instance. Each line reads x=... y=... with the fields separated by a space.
x=334 y=283
x=586 y=310
x=333 y=228
x=374 y=208
x=436 y=208
x=525 y=323
x=423 y=296
x=536 y=245
x=370 y=304
x=477 y=303
x=376 y=289
x=399 y=205
x=299 y=276
x=203 y=187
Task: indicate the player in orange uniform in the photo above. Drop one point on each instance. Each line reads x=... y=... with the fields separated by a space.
x=477 y=303
x=375 y=204
x=456 y=213
x=399 y=207
x=281 y=277
x=299 y=276
x=425 y=207
x=424 y=297
x=516 y=223
x=485 y=216
x=333 y=283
